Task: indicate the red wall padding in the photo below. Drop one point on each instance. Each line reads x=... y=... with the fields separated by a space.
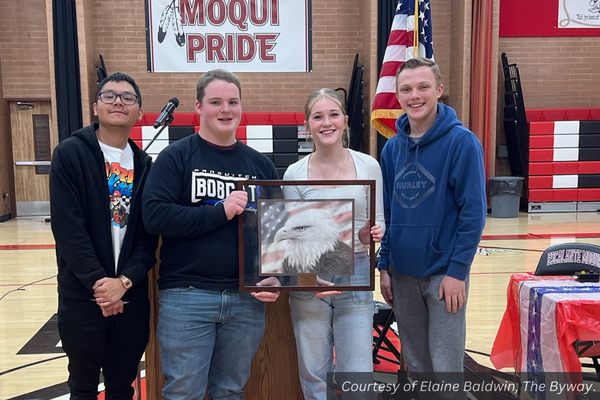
x=258 y=118
x=562 y=114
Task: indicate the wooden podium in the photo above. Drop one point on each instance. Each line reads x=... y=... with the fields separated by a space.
x=274 y=373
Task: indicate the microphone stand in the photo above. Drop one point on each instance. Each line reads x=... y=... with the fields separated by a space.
x=167 y=122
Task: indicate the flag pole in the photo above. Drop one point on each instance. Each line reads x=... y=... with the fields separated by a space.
x=385 y=108
x=416 y=31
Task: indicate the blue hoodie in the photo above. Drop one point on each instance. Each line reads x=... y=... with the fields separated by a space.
x=434 y=199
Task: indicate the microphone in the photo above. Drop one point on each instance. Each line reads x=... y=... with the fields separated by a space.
x=166 y=112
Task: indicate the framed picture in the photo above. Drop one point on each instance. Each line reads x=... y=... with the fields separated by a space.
x=302 y=235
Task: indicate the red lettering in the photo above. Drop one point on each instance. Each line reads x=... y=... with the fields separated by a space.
x=115 y=168
x=274 y=12
x=195 y=44
x=214 y=48
x=192 y=15
x=230 y=47
x=196 y=12
x=130 y=177
x=123 y=175
x=216 y=12
x=254 y=18
x=245 y=47
x=266 y=42
x=238 y=14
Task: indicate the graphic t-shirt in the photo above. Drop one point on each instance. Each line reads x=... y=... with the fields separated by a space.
x=119 y=173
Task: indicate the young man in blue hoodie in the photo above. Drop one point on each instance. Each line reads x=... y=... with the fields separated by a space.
x=435 y=208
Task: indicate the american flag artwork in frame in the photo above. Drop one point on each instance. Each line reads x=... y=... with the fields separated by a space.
x=305 y=244
x=306 y=237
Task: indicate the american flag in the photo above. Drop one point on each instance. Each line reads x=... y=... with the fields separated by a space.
x=546 y=353
x=273 y=216
x=275 y=213
x=411 y=25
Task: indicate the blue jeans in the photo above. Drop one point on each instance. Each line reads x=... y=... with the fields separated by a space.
x=344 y=320
x=208 y=337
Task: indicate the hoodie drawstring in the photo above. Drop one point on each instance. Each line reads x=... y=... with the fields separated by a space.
x=417 y=156
x=406 y=153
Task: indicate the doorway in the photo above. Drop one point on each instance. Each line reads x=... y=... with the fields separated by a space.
x=30 y=133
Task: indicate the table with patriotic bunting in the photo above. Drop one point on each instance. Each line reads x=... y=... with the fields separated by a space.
x=546 y=318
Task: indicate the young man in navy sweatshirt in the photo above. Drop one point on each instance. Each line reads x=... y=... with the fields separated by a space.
x=435 y=208
x=208 y=331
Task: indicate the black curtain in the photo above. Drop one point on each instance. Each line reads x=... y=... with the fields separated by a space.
x=387 y=11
x=66 y=68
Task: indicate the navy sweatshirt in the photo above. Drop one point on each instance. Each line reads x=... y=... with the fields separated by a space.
x=183 y=202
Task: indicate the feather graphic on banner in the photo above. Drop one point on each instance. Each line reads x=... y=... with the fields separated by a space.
x=178 y=28
x=165 y=19
x=172 y=14
x=410 y=37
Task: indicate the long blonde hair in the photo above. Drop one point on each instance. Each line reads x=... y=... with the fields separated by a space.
x=337 y=99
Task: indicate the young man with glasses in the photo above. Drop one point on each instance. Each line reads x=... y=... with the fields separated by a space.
x=103 y=251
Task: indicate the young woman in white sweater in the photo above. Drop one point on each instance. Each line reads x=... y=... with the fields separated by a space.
x=342 y=318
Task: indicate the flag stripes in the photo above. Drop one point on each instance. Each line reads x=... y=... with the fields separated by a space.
x=541 y=349
x=410 y=21
x=342 y=212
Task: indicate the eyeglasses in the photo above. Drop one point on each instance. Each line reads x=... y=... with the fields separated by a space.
x=128 y=99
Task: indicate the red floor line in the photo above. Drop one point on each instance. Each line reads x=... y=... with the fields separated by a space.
x=576 y=235
x=498 y=273
x=529 y=236
x=509 y=237
x=27 y=246
x=28 y=284
x=510 y=248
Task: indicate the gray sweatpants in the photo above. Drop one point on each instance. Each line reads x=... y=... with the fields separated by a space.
x=432 y=339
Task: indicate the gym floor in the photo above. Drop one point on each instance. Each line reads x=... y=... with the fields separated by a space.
x=33 y=366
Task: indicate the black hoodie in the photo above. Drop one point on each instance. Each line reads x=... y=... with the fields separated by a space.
x=79 y=205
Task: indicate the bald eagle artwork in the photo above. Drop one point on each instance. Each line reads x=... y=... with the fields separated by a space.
x=312 y=245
